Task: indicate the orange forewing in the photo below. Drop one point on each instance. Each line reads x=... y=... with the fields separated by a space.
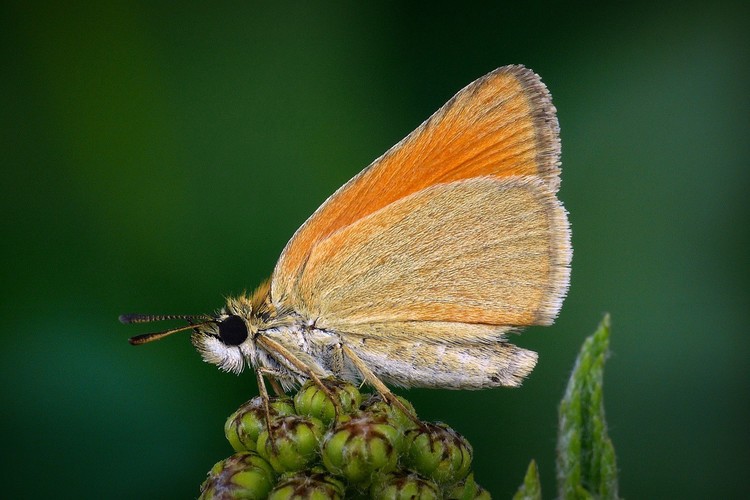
x=503 y=124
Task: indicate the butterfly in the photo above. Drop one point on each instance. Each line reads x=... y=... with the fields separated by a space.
x=415 y=271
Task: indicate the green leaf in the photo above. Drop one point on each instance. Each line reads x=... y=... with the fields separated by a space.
x=586 y=465
x=530 y=489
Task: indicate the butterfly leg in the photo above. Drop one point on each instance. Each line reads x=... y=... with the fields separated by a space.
x=373 y=380
x=280 y=351
x=277 y=389
x=260 y=372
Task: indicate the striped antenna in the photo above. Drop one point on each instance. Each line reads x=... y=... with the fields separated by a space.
x=150 y=318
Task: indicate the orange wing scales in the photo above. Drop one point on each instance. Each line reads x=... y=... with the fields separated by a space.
x=501 y=125
x=486 y=251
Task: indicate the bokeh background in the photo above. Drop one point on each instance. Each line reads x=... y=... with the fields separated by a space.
x=157 y=156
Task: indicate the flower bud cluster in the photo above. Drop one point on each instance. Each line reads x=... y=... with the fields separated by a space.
x=313 y=448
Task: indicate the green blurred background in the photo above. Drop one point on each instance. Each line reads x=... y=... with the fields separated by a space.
x=158 y=156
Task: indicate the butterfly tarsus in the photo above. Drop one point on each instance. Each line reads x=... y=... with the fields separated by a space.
x=260 y=373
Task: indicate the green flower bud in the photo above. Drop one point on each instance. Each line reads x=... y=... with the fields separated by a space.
x=375 y=405
x=292 y=444
x=312 y=401
x=438 y=452
x=243 y=475
x=310 y=485
x=244 y=426
x=468 y=490
x=360 y=446
x=404 y=485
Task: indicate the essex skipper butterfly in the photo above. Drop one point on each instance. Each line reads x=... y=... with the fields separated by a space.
x=416 y=270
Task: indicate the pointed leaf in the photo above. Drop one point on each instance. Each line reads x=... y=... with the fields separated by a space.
x=586 y=464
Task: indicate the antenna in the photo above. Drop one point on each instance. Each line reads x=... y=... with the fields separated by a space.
x=150 y=337
x=150 y=318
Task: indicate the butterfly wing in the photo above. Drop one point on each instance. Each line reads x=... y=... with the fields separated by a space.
x=486 y=251
x=501 y=125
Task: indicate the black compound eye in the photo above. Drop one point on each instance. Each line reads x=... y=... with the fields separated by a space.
x=232 y=331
